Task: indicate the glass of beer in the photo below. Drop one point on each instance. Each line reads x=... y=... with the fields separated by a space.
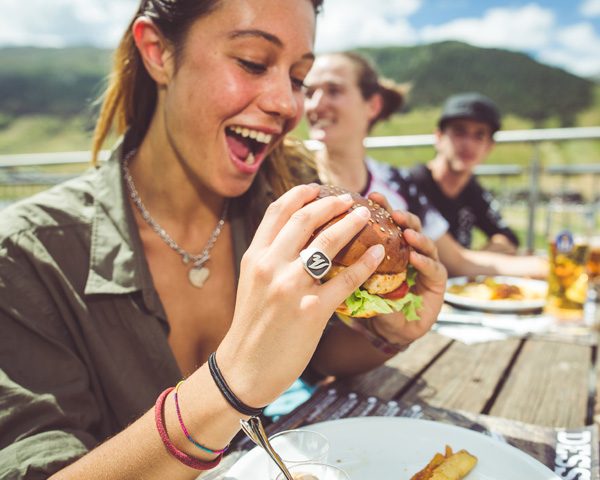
x=593 y=268
x=568 y=232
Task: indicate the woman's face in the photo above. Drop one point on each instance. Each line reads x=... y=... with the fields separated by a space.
x=336 y=111
x=237 y=89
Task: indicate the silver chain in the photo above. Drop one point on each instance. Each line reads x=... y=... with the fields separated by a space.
x=197 y=260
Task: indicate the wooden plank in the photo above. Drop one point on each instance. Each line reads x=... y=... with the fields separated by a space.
x=548 y=385
x=464 y=377
x=387 y=380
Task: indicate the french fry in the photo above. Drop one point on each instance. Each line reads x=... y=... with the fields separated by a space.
x=450 y=466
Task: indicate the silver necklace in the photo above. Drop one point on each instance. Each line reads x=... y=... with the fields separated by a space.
x=199 y=272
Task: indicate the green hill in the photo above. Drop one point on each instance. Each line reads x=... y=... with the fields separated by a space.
x=46 y=95
x=51 y=81
x=65 y=81
x=519 y=84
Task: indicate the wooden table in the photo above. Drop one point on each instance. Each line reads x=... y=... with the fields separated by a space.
x=547 y=380
x=535 y=380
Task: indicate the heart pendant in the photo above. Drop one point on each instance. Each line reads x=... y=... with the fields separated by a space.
x=198 y=276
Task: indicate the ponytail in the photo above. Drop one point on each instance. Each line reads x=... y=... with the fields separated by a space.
x=130 y=98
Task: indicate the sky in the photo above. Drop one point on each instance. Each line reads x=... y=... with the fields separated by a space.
x=564 y=33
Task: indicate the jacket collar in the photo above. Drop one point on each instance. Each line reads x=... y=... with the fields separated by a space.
x=117 y=263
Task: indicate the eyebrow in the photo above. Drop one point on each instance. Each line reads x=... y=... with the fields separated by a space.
x=266 y=36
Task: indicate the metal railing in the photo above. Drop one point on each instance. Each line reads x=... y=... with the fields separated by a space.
x=10 y=163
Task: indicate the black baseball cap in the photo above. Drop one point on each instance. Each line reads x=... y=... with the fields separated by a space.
x=471 y=106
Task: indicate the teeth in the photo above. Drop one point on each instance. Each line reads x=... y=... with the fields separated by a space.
x=253 y=134
x=322 y=123
x=250 y=159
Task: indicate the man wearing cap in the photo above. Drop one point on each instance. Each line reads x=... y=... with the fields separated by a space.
x=464 y=138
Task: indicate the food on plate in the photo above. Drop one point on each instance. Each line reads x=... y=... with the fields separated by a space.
x=491 y=289
x=389 y=288
x=449 y=466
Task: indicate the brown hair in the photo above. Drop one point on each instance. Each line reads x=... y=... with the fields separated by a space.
x=370 y=83
x=130 y=98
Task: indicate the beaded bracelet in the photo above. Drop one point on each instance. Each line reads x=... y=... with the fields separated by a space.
x=185 y=430
x=231 y=398
x=172 y=449
x=365 y=327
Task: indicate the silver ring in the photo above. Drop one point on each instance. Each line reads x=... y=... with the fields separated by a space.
x=315 y=262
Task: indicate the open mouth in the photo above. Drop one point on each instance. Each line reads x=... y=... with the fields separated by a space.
x=248 y=145
x=317 y=121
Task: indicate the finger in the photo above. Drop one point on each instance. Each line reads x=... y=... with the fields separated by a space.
x=280 y=211
x=297 y=231
x=407 y=220
x=381 y=200
x=333 y=238
x=431 y=271
x=340 y=287
x=421 y=243
x=402 y=217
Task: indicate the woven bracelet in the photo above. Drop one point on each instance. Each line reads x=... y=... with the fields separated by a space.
x=185 y=430
x=183 y=457
x=231 y=398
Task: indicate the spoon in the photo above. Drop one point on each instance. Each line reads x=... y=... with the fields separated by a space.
x=253 y=427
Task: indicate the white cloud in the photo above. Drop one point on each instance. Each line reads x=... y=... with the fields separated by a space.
x=345 y=24
x=64 y=22
x=590 y=8
x=576 y=49
x=527 y=27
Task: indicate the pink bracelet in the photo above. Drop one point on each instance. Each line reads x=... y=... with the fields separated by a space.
x=185 y=430
x=172 y=449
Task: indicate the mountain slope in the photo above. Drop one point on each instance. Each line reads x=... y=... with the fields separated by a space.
x=51 y=81
x=65 y=82
x=519 y=84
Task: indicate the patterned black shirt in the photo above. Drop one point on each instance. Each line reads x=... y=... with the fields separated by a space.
x=474 y=207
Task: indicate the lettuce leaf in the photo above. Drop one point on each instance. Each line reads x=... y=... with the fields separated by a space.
x=362 y=301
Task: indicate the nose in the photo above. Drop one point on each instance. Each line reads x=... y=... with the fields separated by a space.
x=281 y=100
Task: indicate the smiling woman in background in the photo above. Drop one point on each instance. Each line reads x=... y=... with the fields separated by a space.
x=156 y=266
x=345 y=99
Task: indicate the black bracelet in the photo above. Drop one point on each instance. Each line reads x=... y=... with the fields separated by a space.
x=231 y=398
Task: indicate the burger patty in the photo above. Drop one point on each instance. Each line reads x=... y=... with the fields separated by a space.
x=376 y=284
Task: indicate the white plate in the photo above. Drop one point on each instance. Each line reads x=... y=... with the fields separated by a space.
x=395 y=448
x=538 y=286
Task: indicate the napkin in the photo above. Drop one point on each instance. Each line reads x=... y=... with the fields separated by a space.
x=476 y=327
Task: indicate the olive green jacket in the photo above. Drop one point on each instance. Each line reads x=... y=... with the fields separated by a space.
x=83 y=334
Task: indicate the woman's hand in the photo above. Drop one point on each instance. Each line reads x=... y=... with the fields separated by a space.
x=281 y=310
x=430 y=284
x=431 y=280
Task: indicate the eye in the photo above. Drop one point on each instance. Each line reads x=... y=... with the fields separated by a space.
x=298 y=83
x=252 y=67
x=333 y=90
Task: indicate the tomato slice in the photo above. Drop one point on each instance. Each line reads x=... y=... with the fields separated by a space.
x=400 y=292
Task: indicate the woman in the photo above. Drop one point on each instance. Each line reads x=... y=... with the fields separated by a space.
x=115 y=286
x=344 y=99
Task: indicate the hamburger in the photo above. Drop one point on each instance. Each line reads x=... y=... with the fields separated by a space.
x=388 y=289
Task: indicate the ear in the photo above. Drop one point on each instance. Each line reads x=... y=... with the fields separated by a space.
x=437 y=137
x=374 y=106
x=154 y=50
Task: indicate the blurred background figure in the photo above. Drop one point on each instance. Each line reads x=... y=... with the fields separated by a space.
x=464 y=139
x=344 y=100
